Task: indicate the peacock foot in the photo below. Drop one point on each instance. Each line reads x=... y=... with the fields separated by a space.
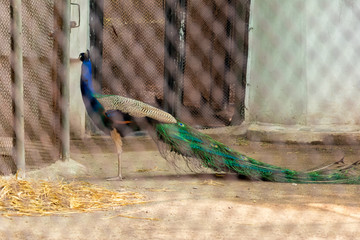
x=117 y=178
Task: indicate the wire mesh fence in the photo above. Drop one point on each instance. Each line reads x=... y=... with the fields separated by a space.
x=134 y=53
x=274 y=80
x=39 y=94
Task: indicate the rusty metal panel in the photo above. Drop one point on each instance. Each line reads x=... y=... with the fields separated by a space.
x=133 y=49
x=41 y=114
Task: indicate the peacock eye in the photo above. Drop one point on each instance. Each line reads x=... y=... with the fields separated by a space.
x=181 y=124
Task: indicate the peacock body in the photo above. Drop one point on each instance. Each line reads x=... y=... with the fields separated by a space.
x=117 y=115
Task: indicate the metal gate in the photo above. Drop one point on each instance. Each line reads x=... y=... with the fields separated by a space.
x=40 y=88
x=169 y=52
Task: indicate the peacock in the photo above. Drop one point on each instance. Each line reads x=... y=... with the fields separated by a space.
x=117 y=116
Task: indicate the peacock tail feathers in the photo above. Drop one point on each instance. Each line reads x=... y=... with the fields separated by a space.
x=179 y=140
x=133 y=107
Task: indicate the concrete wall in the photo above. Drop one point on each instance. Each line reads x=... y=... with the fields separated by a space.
x=333 y=60
x=303 y=62
x=79 y=42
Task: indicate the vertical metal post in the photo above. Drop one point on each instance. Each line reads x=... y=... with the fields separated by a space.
x=174 y=62
x=96 y=41
x=181 y=52
x=241 y=52
x=170 y=56
x=65 y=81
x=96 y=52
x=230 y=18
x=17 y=86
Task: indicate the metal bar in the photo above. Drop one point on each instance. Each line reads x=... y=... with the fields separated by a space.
x=96 y=41
x=230 y=18
x=170 y=56
x=96 y=53
x=55 y=76
x=243 y=14
x=211 y=55
x=174 y=61
x=17 y=86
x=181 y=52
x=65 y=81
x=73 y=24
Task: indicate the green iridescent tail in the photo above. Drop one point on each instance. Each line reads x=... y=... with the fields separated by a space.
x=179 y=140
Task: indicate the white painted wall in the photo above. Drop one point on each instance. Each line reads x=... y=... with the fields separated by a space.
x=79 y=42
x=333 y=61
x=304 y=58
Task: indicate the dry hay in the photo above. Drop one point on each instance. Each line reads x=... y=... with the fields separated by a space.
x=39 y=197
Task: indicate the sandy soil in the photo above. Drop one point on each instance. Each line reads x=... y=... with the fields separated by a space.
x=184 y=205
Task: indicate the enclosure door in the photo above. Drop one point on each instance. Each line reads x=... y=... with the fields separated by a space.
x=40 y=87
x=135 y=56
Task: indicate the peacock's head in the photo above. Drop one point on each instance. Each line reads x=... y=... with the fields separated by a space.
x=84 y=56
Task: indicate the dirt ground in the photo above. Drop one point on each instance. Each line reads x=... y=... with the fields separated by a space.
x=183 y=205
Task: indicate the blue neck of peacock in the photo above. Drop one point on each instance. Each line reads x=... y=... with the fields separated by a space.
x=87 y=91
x=86 y=78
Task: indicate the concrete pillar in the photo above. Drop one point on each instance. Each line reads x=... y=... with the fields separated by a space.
x=79 y=42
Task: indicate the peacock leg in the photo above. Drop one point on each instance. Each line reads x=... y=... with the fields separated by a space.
x=118 y=144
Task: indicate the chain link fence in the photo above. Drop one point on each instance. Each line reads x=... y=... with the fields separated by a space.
x=40 y=114
x=209 y=65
